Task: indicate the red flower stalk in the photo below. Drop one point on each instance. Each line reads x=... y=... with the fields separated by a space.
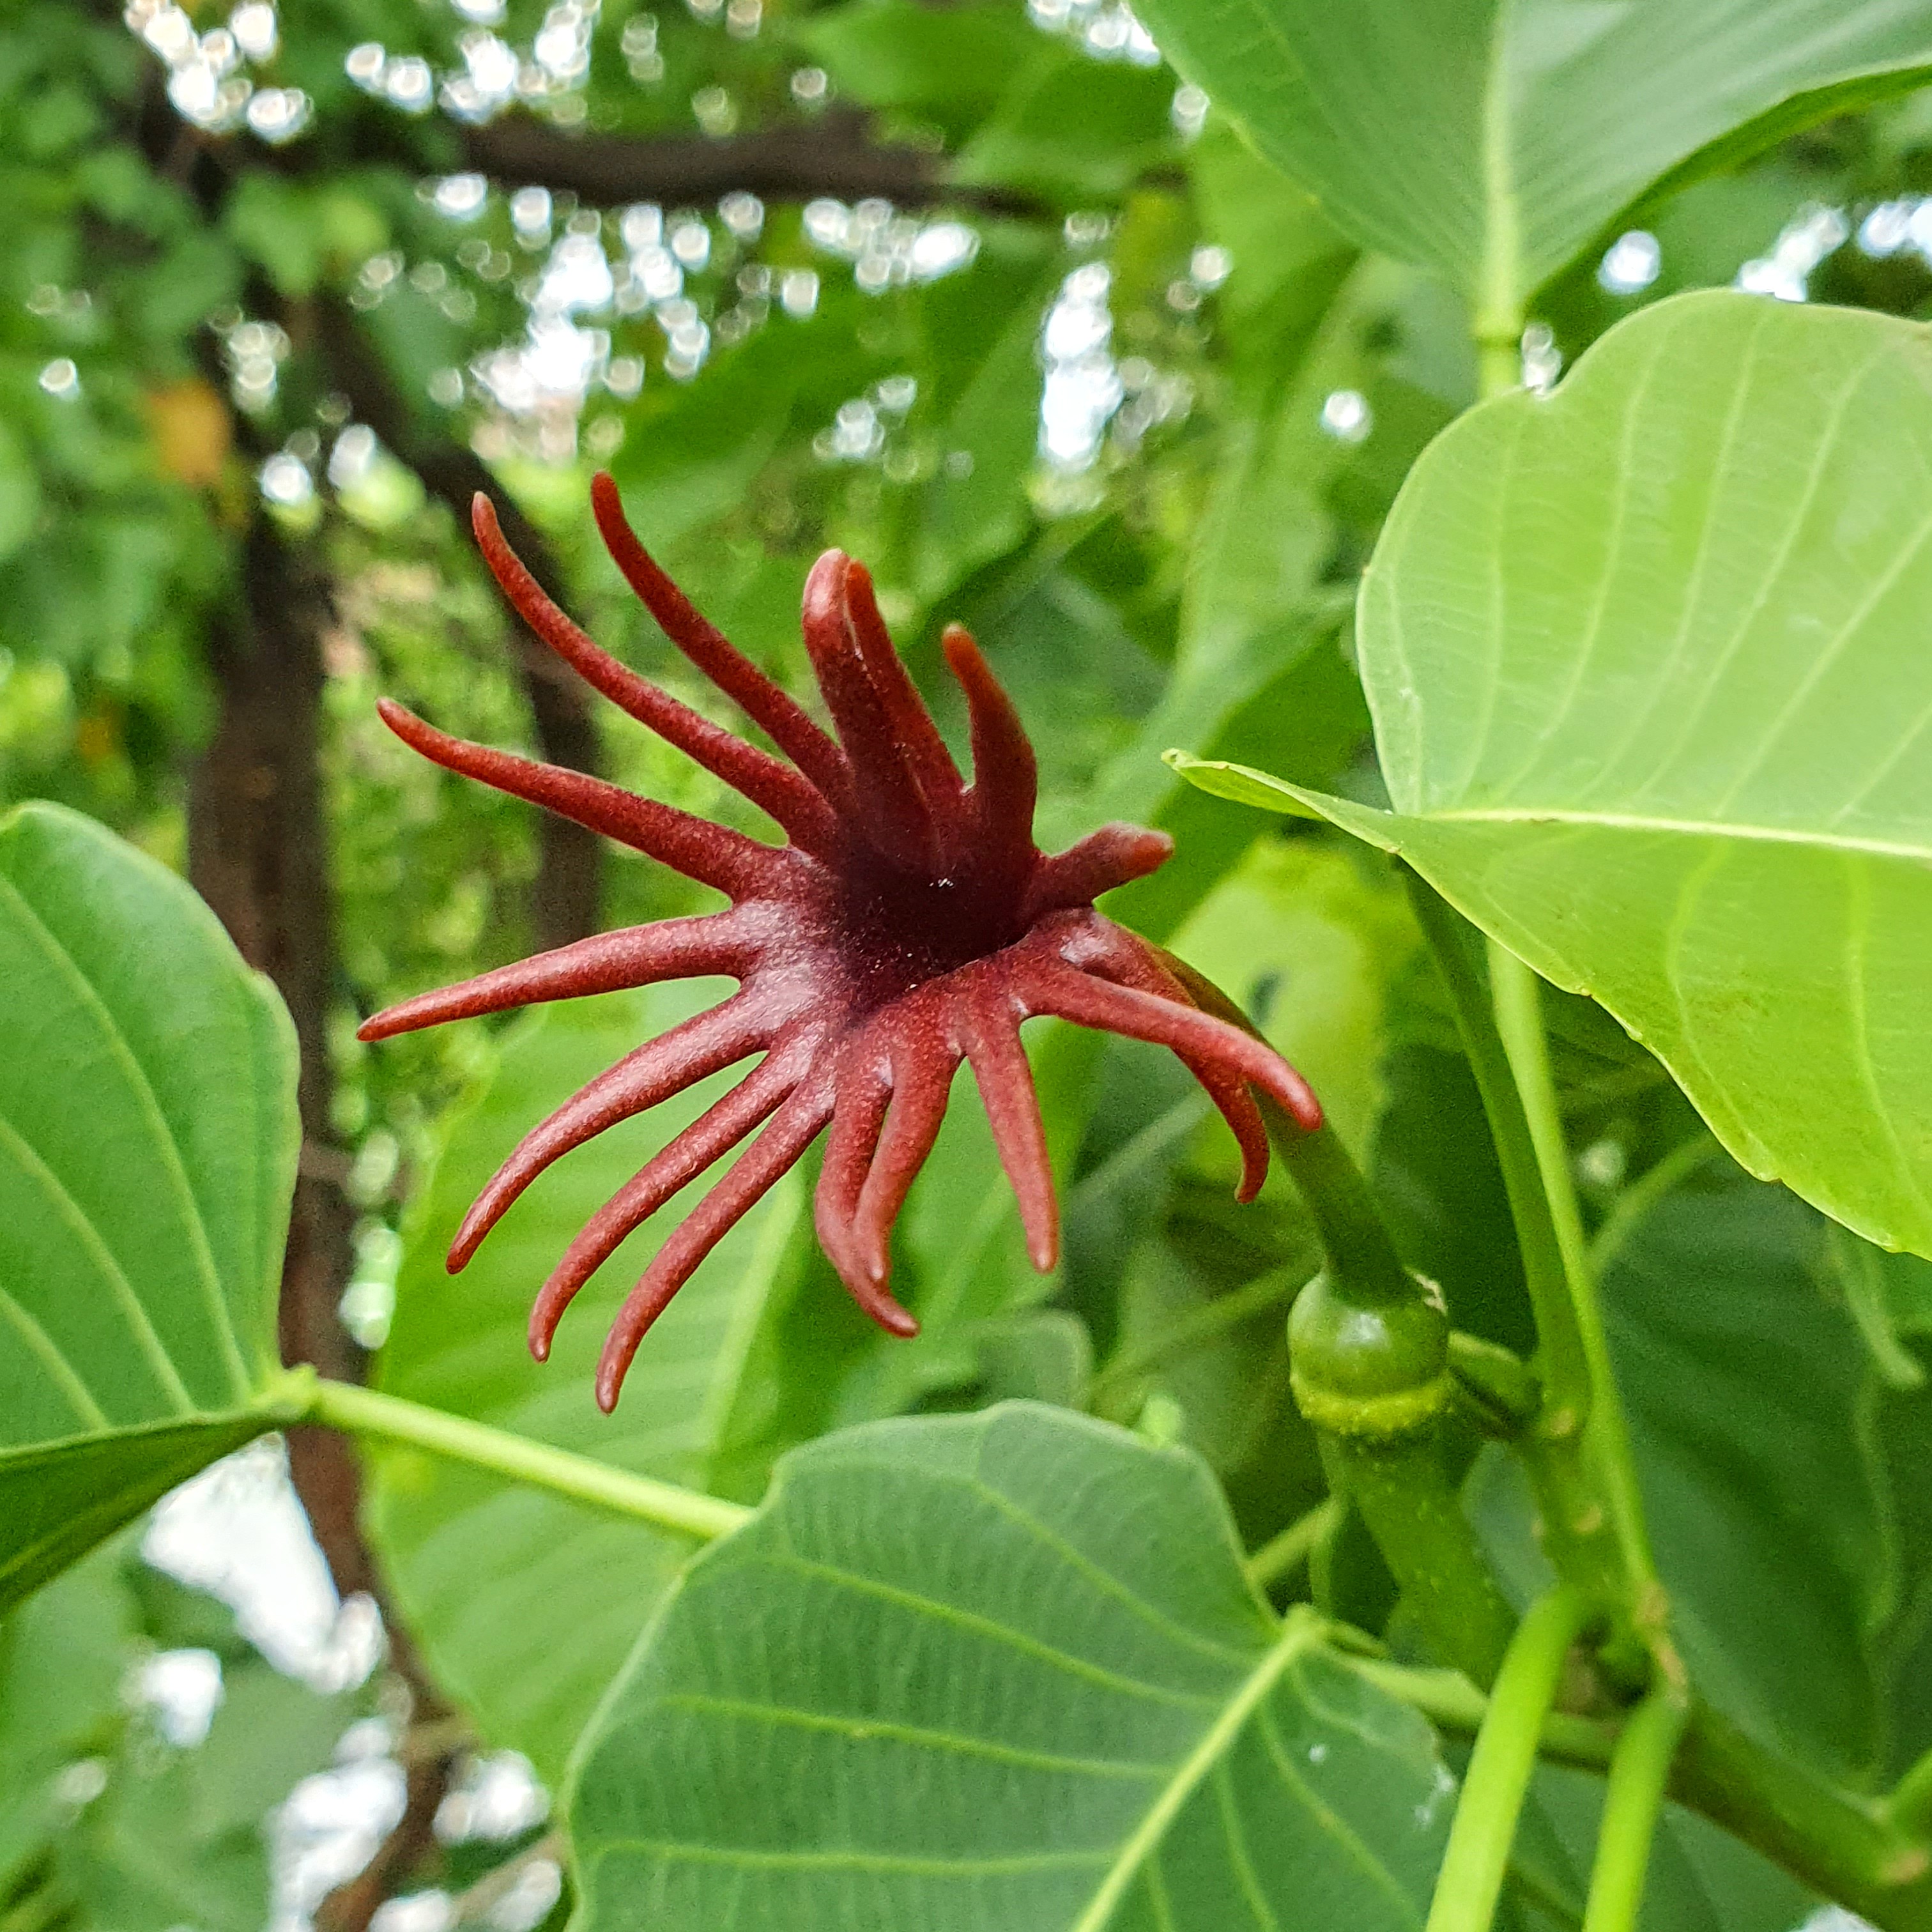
x=910 y=922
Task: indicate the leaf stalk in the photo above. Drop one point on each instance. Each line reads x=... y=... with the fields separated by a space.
x=1640 y=1771
x=1599 y=1547
x=1477 y=1856
x=365 y=1412
x=1280 y=1555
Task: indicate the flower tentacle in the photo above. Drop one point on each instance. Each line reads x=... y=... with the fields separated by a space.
x=713 y=855
x=784 y=795
x=782 y=718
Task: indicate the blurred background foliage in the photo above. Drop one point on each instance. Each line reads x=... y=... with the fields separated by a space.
x=978 y=292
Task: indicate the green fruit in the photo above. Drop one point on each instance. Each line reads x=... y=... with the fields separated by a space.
x=1369 y=1368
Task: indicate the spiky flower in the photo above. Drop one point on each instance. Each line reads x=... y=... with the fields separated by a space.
x=909 y=923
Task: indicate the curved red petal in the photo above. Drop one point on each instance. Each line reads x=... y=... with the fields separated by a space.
x=607 y=962
x=989 y=1024
x=709 y=1138
x=712 y=855
x=888 y=805
x=640 y=1080
x=1115 y=855
x=924 y=1060
x=750 y=1177
x=923 y=749
x=1117 y=954
x=1006 y=776
x=1053 y=986
x=787 y=796
x=782 y=718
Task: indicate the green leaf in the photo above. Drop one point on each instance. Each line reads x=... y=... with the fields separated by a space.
x=1783 y=1478
x=140 y=1856
x=19 y=493
x=63 y=1655
x=975 y=507
x=1647 y=663
x=525 y=1603
x=1744 y=1380
x=1492 y=141
x=148 y=1141
x=1251 y=604
x=948 y=65
x=270 y=220
x=999 y=1672
x=1071 y=127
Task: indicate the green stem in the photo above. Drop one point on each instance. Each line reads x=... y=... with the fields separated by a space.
x=1909 y=1806
x=1454 y=943
x=1478 y=1852
x=1663 y=1177
x=1639 y=1770
x=1499 y=1388
x=1577 y=1362
x=366 y=1412
x=1355 y=1238
x=1280 y=1554
x=1516 y=995
x=1842 y=1845
x=1573 y=1495
x=1452 y=1702
x=1867 y=1856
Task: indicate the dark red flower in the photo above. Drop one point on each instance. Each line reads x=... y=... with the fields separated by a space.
x=910 y=923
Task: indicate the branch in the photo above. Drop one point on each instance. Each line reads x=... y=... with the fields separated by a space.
x=833 y=154
x=426 y=1777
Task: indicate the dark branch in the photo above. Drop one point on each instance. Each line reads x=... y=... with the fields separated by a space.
x=834 y=155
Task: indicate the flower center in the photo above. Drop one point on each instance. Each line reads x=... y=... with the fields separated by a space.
x=897 y=930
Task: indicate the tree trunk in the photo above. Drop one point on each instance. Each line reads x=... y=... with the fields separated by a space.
x=258 y=854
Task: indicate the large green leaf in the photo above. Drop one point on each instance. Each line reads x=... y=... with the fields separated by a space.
x=148 y=1141
x=1492 y=140
x=63 y=1657
x=1001 y=1672
x=524 y=1603
x=1648 y=666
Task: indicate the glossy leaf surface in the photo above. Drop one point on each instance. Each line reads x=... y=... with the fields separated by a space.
x=1492 y=140
x=996 y=1672
x=147 y=1142
x=1648 y=668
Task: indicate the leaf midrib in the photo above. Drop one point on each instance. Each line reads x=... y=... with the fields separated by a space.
x=1635 y=821
x=1498 y=296
x=1301 y=1635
